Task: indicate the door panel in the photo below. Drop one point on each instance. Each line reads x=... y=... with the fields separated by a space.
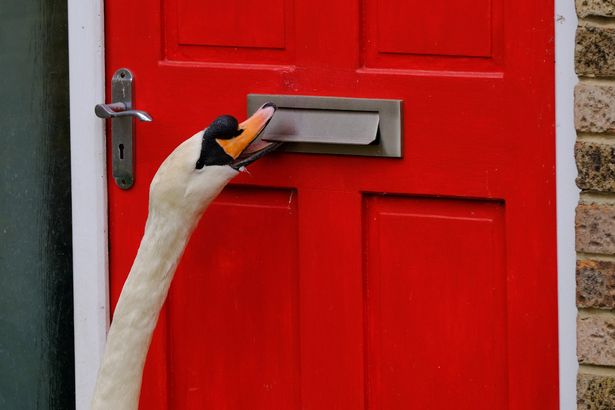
x=436 y=304
x=458 y=35
x=243 y=351
x=402 y=29
x=221 y=31
x=224 y=24
x=361 y=283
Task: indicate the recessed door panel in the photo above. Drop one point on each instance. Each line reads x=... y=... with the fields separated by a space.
x=225 y=32
x=232 y=336
x=436 y=304
x=458 y=35
x=224 y=23
x=459 y=28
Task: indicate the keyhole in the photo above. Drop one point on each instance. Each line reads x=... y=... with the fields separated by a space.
x=121 y=151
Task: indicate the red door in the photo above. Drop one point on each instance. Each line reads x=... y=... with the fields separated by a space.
x=427 y=282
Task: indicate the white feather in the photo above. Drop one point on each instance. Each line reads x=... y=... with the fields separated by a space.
x=179 y=194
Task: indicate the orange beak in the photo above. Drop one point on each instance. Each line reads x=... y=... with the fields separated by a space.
x=250 y=130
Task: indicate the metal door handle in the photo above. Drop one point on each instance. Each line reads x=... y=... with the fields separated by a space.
x=120 y=109
x=122 y=128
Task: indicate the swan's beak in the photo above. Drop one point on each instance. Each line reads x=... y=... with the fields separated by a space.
x=247 y=147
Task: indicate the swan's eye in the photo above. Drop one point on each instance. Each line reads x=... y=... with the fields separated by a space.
x=224 y=127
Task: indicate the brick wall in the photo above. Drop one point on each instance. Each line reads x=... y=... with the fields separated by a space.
x=595 y=219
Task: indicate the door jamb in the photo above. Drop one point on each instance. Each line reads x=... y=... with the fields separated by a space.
x=567 y=197
x=89 y=195
x=89 y=192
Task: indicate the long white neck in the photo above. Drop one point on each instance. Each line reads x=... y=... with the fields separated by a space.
x=136 y=313
x=169 y=226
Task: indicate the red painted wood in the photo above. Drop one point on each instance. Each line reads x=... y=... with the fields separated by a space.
x=446 y=27
x=354 y=283
x=438 y=267
x=248 y=357
x=227 y=21
x=227 y=38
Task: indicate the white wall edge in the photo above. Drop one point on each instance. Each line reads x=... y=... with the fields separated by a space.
x=567 y=198
x=89 y=192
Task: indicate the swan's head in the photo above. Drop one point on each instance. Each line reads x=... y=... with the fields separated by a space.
x=197 y=170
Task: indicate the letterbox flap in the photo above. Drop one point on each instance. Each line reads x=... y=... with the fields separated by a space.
x=323 y=126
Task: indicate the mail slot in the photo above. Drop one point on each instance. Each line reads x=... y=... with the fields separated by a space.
x=334 y=125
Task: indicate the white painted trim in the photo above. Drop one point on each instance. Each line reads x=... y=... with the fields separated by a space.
x=567 y=198
x=89 y=192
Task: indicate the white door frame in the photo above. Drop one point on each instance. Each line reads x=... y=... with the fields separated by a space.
x=89 y=194
x=567 y=198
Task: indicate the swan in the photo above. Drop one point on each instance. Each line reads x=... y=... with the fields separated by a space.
x=185 y=184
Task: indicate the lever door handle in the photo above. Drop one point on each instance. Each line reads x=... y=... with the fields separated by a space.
x=122 y=128
x=120 y=109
